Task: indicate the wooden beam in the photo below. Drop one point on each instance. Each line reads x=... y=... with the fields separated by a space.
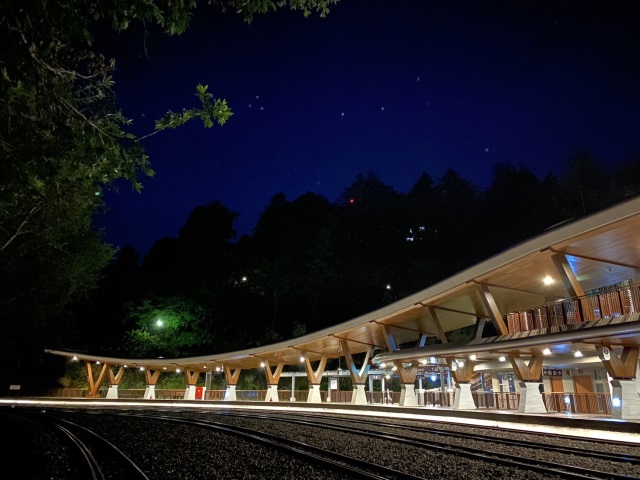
x=273 y=376
x=115 y=379
x=151 y=376
x=94 y=386
x=191 y=376
x=527 y=373
x=436 y=323
x=406 y=374
x=461 y=374
x=358 y=376
x=231 y=375
x=315 y=376
x=620 y=367
x=571 y=283
x=494 y=311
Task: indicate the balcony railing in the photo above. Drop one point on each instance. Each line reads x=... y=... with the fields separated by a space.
x=611 y=303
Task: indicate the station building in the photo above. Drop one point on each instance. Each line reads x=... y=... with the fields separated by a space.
x=564 y=308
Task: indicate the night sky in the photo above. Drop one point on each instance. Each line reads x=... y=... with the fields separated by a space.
x=393 y=87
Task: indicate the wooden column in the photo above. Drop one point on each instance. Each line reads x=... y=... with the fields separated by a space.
x=232 y=375
x=190 y=375
x=406 y=374
x=623 y=367
x=461 y=374
x=314 y=376
x=494 y=311
x=273 y=377
x=94 y=386
x=116 y=378
x=358 y=376
x=151 y=376
x=527 y=373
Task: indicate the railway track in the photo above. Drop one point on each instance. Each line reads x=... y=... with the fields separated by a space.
x=331 y=448
x=88 y=455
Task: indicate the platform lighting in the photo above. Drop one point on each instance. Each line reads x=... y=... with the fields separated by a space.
x=97 y=362
x=125 y=366
x=177 y=370
x=301 y=359
x=578 y=354
x=387 y=376
x=433 y=360
x=473 y=357
x=502 y=358
x=433 y=378
x=164 y=368
x=567 y=399
x=141 y=368
x=423 y=361
x=546 y=351
x=75 y=359
x=388 y=286
x=616 y=402
x=454 y=367
x=460 y=363
x=217 y=369
x=394 y=368
x=204 y=366
x=262 y=364
x=244 y=279
x=382 y=365
x=547 y=280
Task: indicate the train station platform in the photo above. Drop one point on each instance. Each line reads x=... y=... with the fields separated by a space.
x=577 y=425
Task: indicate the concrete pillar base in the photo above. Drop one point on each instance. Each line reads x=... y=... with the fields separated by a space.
x=359 y=395
x=530 y=398
x=625 y=401
x=150 y=392
x=190 y=392
x=314 y=394
x=463 y=399
x=408 y=396
x=272 y=394
x=112 y=393
x=230 y=394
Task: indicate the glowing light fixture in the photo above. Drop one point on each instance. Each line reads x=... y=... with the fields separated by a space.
x=387 y=376
x=177 y=370
x=217 y=369
x=141 y=368
x=382 y=365
x=433 y=378
x=301 y=359
x=502 y=358
x=75 y=359
x=547 y=280
x=616 y=402
x=577 y=354
x=433 y=360
x=423 y=361
x=159 y=323
x=262 y=364
x=546 y=351
x=473 y=357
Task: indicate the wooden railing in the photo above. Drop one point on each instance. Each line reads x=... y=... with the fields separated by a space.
x=606 y=304
x=496 y=400
x=596 y=403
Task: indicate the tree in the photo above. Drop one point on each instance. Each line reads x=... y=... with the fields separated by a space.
x=63 y=141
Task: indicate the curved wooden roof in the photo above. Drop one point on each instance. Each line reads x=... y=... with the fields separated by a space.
x=602 y=249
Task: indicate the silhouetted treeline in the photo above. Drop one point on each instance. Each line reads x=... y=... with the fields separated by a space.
x=310 y=263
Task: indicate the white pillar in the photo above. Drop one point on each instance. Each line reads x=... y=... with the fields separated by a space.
x=230 y=394
x=531 y=398
x=190 y=392
x=272 y=394
x=408 y=395
x=463 y=399
x=293 y=389
x=149 y=392
x=314 y=394
x=112 y=393
x=370 y=389
x=625 y=402
x=420 y=392
x=359 y=395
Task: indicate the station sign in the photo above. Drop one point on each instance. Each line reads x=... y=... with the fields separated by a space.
x=551 y=372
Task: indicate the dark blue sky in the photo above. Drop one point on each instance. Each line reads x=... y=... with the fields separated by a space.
x=396 y=87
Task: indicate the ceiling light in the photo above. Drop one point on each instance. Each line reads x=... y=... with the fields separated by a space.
x=577 y=354
x=262 y=364
x=502 y=358
x=546 y=351
x=301 y=359
x=547 y=280
x=423 y=361
x=473 y=357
